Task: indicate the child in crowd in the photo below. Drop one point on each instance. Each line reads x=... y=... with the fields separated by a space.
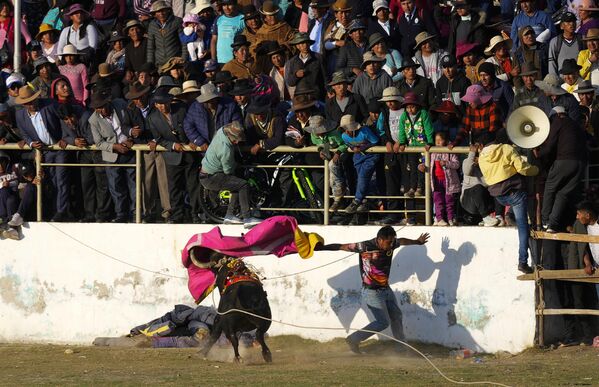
x=445 y=182
x=75 y=72
x=447 y=120
x=359 y=138
x=415 y=129
x=116 y=56
x=330 y=145
x=193 y=37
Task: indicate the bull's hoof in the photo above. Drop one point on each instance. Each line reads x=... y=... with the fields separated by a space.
x=267 y=357
x=237 y=360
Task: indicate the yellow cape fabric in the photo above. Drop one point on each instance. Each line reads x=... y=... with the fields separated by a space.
x=306 y=242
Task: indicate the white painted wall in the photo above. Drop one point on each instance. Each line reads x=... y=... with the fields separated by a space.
x=55 y=289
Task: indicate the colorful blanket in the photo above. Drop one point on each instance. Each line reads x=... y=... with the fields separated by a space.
x=278 y=235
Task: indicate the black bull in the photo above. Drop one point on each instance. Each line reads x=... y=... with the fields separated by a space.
x=247 y=296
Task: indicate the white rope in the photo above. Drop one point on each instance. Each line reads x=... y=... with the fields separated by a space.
x=363 y=330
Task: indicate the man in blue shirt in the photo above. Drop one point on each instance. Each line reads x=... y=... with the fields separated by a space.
x=530 y=16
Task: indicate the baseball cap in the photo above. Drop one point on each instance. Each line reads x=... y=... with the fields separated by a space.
x=448 y=61
x=15 y=78
x=568 y=17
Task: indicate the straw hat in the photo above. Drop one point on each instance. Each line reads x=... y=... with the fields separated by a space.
x=208 y=92
x=551 y=85
x=422 y=38
x=318 y=125
x=69 y=49
x=131 y=24
x=588 y=5
x=391 y=94
x=348 y=123
x=592 y=34
x=337 y=78
x=370 y=57
x=26 y=95
x=341 y=5
x=159 y=5
x=495 y=40
x=104 y=70
x=269 y=8
x=172 y=63
x=200 y=6
x=190 y=86
x=43 y=29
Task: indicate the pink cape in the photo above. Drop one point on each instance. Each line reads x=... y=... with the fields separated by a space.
x=276 y=235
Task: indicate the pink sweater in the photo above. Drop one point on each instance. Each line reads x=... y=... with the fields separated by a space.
x=77 y=76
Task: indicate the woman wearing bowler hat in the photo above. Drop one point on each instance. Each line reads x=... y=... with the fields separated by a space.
x=81 y=33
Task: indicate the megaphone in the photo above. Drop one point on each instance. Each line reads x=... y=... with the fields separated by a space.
x=528 y=127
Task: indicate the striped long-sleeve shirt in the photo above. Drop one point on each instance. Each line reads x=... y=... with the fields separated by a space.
x=479 y=122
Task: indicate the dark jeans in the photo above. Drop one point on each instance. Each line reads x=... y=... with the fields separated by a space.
x=58 y=178
x=365 y=165
x=518 y=202
x=477 y=201
x=94 y=186
x=414 y=179
x=238 y=187
x=383 y=306
x=27 y=206
x=183 y=178
x=121 y=184
x=9 y=203
x=393 y=182
x=560 y=190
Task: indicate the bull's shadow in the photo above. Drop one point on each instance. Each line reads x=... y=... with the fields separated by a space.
x=427 y=316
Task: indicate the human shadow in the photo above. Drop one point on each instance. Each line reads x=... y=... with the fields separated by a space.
x=428 y=316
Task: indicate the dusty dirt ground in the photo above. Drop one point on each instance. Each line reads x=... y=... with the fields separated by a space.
x=296 y=362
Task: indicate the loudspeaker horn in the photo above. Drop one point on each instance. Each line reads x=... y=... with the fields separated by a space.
x=528 y=127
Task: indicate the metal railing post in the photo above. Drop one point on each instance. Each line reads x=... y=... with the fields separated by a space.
x=38 y=175
x=427 y=189
x=17 y=40
x=326 y=197
x=138 y=186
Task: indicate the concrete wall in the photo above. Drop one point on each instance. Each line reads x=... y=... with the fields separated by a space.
x=68 y=283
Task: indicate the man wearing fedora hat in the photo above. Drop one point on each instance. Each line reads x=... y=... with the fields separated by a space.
x=335 y=33
x=40 y=126
x=155 y=178
x=570 y=73
x=566 y=45
x=531 y=51
x=207 y=113
x=163 y=35
x=529 y=93
x=166 y=122
x=531 y=16
x=589 y=59
x=350 y=55
x=253 y=21
x=373 y=80
x=318 y=24
x=112 y=135
x=586 y=95
x=242 y=64
x=273 y=29
x=414 y=82
x=344 y=102
x=277 y=55
x=555 y=95
x=306 y=67
x=241 y=91
x=136 y=48
x=224 y=30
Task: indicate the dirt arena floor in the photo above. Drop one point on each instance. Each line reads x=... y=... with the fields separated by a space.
x=297 y=362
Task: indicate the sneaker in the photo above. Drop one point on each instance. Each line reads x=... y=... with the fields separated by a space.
x=335 y=206
x=386 y=221
x=441 y=223
x=551 y=231
x=418 y=192
x=352 y=208
x=408 y=222
x=524 y=268
x=16 y=220
x=354 y=347
x=11 y=234
x=363 y=207
x=453 y=222
x=251 y=222
x=232 y=219
x=489 y=221
x=501 y=221
x=410 y=193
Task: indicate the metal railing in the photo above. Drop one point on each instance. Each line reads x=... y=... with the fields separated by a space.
x=140 y=149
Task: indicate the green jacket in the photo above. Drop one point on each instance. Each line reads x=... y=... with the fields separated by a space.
x=417 y=133
x=220 y=155
x=333 y=138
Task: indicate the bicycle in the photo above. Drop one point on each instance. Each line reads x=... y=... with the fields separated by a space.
x=261 y=185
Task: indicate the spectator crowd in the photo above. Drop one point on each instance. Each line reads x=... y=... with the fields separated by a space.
x=343 y=76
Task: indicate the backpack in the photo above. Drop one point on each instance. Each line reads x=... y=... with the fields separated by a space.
x=560 y=42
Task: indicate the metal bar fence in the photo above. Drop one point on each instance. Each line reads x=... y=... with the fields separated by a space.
x=140 y=149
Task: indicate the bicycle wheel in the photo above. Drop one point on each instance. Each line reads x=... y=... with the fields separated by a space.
x=214 y=204
x=313 y=199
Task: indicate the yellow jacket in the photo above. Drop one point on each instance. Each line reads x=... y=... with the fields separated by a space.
x=585 y=63
x=499 y=162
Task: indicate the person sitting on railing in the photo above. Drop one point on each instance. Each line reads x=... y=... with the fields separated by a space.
x=475 y=198
x=97 y=204
x=218 y=173
x=416 y=130
x=40 y=126
x=166 y=123
x=580 y=295
x=359 y=138
x=503 y=169
x=112 y=137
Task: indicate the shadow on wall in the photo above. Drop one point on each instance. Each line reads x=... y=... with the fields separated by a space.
x=428 y=316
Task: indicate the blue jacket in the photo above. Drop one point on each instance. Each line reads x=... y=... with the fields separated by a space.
x=197 y=125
